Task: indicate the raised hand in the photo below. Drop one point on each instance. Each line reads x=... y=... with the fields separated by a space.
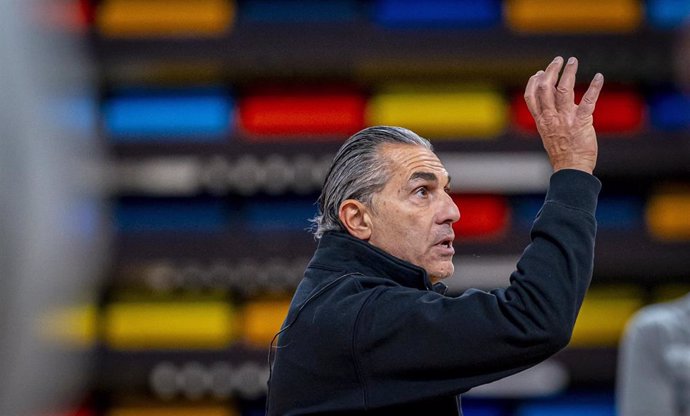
x=565 y=128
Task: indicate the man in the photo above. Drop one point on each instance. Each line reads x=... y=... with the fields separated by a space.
x=654 y=364
x=369 y=330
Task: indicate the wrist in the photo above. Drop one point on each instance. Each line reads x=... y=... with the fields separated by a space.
x=586 y=169
x=577 y=162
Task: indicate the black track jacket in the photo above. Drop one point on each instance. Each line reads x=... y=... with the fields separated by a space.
x=367 y=334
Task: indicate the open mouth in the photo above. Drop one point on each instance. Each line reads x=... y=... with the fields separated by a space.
x=446 y=243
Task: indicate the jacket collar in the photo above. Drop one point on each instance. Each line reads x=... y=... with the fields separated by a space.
x=341 y=251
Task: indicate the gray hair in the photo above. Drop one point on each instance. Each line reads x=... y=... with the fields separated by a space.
x=358 y=172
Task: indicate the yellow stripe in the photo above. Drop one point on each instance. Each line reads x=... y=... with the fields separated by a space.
x=668 y=216
x=173 y=411
x=441 y=113
x=261 y=321
x=573 y=15
x=604 y=315
x=170 y=325
x=124 y=18
x=70 y=326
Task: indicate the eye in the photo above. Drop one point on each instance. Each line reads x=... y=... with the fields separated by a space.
x=422 y=191
x=447 y=190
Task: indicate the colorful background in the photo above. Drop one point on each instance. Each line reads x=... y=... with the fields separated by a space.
x=211 y=124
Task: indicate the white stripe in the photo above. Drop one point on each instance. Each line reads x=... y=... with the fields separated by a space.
x=498 y=172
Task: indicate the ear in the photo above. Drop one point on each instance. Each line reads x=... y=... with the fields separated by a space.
x=355 y=218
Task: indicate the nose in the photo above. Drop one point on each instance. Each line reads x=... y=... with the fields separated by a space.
x=449 y=211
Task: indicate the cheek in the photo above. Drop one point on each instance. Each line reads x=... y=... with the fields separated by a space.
x=391 y=227
x=398 y=234
x=402 y=230
x=407 y=228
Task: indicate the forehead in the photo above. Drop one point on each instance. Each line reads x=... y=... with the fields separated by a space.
x=406 y=159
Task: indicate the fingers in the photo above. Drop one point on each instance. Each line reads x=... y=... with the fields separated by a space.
x=565 y=95
x=545 y=87
x=530 y=94
x=589 y=100
x=541 y=92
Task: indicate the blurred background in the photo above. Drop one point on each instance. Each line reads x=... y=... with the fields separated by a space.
x=161 y=158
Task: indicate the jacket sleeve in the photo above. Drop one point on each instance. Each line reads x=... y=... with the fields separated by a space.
x=424 y=344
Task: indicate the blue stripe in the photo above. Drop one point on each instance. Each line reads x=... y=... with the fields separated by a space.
x=620 y=213
x=458 y=13
x=299 y=11
x=156 y=115
x=482 y=407
x=670 y=111
x=668 y=14
x=570 y=405
x=171 y=215
x=284 y=215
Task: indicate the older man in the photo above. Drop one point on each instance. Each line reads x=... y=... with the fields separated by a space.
x=370 y=330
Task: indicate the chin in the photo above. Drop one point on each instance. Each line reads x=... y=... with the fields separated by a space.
x=441 y=273
x=444 y=276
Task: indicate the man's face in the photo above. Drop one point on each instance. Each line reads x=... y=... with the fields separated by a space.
x=412 y=215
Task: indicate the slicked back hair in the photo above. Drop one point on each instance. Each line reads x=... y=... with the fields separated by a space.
x=358 y=171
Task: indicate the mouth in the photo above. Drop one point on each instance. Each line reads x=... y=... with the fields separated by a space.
x=446 y=244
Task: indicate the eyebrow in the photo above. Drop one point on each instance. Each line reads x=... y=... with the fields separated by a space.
x=428 y=176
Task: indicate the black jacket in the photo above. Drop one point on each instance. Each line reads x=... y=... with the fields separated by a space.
x=367 y=334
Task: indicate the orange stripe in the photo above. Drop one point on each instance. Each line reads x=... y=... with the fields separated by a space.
x=125 y=18
x=573 y=15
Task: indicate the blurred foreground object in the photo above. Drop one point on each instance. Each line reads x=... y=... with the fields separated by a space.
x=654 y=364
x=51 y=239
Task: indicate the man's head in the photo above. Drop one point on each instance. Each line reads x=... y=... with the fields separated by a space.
x=386 y=186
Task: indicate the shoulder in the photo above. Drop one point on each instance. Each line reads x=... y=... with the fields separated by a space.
x=660 y=318
x=369 y=282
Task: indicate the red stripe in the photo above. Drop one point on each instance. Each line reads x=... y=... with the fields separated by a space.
x=87 y=11
x=264 y=115
x=482 y=216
